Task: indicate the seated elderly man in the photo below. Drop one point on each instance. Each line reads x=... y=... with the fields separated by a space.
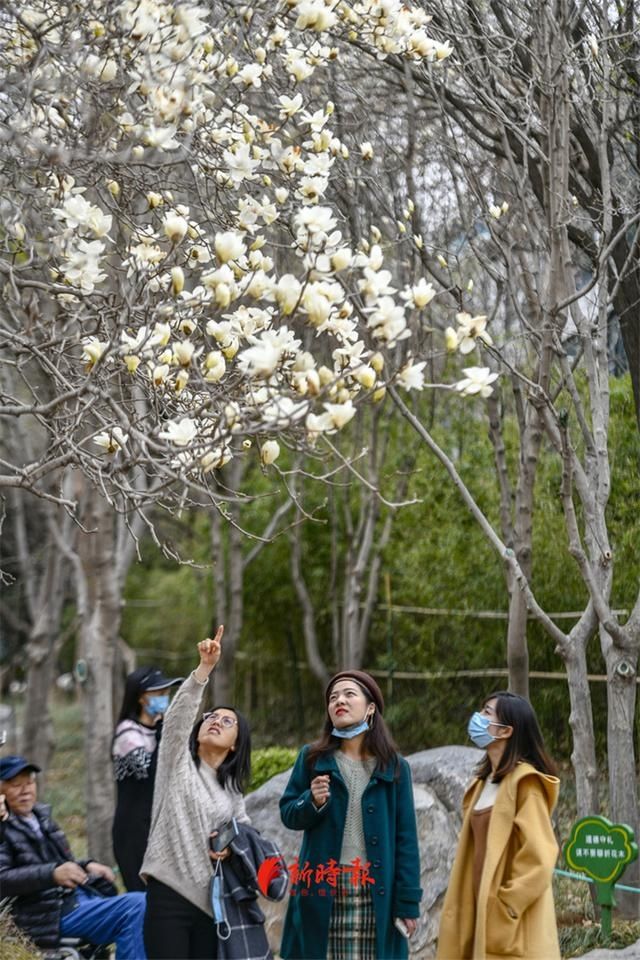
x=53 y=892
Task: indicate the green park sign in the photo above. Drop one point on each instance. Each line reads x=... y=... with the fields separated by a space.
x=601 y=850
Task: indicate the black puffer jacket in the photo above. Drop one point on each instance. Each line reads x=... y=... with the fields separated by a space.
x=26 y=873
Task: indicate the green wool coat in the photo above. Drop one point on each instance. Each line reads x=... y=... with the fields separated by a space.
x=389 y=820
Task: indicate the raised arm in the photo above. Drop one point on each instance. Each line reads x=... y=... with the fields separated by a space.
x=184 y=708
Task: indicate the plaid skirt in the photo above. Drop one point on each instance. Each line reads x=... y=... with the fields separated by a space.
x=352 y=930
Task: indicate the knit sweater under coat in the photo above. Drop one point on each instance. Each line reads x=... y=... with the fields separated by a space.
x=188 y=803
x=514 y=915
x=392 y=851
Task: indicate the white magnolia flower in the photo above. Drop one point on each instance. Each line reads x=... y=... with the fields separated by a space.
x=340 y=413
x=198 y=253
x=287 y=293
x=443 y=50
x=111 y=440
x=420 y=295
x=80 y=214
x=366 y=150
x=495 y=211
x=281 y=411
x=388 y=321
x=177 y=280
x=82 y=267
x=175 y=227
x=365 y=376
x=93 y=349
x=316 y=424
x=269 y=451
x=250 y=75
x=241 y=162
x=260 y=360
x=341 y=259
x=470 y=330
x=477 y=380
x=229 y=246
x=216 y=459
x=411 y=377
x=183 y=352
x=131 y=362
x=375 y=284
x=215 y=366
x=289 y=105
x=159 y=374
x=314 y=15
x=180 y=433
x=451 y=339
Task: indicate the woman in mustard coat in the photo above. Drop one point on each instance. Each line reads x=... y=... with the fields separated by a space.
x=499 y=901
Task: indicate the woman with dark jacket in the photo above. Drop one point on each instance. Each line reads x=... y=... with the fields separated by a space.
x=134 y=753
x=350 y=792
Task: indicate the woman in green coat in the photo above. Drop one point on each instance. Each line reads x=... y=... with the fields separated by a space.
x=357 y=882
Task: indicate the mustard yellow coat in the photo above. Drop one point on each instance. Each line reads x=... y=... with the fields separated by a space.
x=514 y=915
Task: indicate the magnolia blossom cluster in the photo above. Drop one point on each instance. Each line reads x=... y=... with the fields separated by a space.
x=205 y=206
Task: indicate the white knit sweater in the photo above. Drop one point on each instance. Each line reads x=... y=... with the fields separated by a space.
x=188 y=803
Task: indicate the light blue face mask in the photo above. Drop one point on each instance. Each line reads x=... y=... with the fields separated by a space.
x=157 y=705
x=223 y=929
x=478 y=729
x=348 y=733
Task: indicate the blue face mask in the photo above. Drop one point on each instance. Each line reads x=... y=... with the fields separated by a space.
x=217 y=904
x=478 y=729
x=348 y=733
x=157 y=705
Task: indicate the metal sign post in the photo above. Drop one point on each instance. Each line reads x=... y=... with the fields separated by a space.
x=601 y=850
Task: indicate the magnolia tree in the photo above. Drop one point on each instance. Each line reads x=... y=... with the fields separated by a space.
x=178 y=287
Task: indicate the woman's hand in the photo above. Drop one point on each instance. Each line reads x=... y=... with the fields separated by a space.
x=320 y=789
x=218 y=854
x=210 y=651
x=411 y=924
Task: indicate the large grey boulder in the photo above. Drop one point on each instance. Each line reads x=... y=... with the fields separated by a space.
x=440 y=777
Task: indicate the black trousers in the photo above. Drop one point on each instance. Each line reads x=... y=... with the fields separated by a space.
x=175 y=929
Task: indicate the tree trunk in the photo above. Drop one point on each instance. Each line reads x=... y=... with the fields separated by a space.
x=517 y=649
x=623 y=791
x=100 y=613
x=583 y=755
x=44 y=572
x=312 y=650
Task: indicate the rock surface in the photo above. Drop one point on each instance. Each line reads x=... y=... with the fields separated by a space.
x=628 y=953
x=440 y=777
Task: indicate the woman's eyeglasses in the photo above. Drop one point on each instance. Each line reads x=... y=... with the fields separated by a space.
x=222 y=719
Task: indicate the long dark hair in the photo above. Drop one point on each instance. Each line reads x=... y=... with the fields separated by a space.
x=131 y=706
x=236 y=766
x=378 y=742
x=525 y=743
